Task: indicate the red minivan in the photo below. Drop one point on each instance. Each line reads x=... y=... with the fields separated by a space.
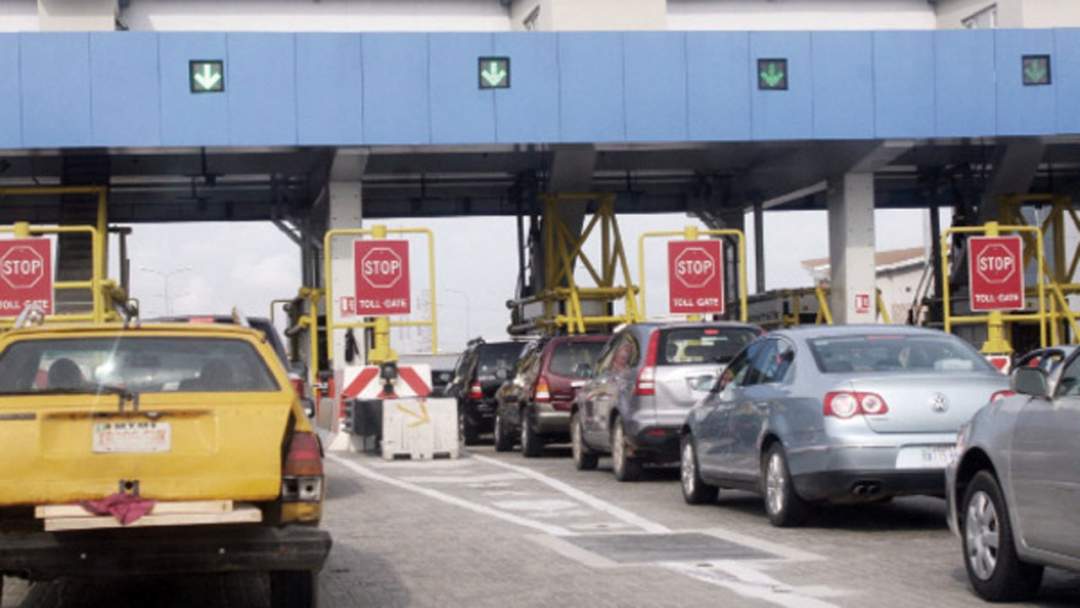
x=534 y=404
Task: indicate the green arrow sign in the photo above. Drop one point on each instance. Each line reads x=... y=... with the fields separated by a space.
x=1036 y=70
x=772 y=74
x=206 y=75
x=494 y=72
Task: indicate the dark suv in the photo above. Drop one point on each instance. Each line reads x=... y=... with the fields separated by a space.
x=542 y=391
x=479 y=372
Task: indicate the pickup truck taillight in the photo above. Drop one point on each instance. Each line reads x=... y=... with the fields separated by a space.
x=302 y=479
x=476 y=391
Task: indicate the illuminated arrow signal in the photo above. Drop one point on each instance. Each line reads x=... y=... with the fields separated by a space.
x=772 y=74
x=1036 y=70
x=494 y=72
x=207 y=76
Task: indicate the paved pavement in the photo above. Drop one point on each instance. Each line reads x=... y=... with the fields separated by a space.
x=497 y=529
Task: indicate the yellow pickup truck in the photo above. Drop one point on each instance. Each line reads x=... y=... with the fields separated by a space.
x=155 y=449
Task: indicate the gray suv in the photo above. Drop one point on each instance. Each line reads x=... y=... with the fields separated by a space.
x=644 y=384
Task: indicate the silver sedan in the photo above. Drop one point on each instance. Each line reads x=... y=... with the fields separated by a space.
x=835 y=414
x=1014 y=490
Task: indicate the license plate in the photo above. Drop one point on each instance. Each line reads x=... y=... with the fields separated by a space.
x=925 y=457
x=132 y=437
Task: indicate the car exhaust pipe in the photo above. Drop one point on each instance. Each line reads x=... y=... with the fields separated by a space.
x=865 y=488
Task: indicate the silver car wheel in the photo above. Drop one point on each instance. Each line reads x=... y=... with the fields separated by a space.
x=775 y=484
x=983 y=535
x=688 y=469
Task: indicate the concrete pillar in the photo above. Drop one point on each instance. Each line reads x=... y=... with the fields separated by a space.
x=77 y=15
x=851 y=248
x=759 y=247
x=344 y=210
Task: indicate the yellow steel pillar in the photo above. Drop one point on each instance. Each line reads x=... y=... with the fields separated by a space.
x=996 y=343
x=381 y=353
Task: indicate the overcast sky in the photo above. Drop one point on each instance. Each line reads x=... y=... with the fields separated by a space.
x=250 y=264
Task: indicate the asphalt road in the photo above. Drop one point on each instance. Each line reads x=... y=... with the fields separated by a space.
x=497 y=529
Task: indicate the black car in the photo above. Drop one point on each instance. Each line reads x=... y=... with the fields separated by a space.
x=482 y=368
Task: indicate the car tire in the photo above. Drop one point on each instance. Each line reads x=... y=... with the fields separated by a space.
x=624 y=466
x=467 y=431
x=694 y=489
x=997 y=575
x=294 y=589
x=782 y=504
x=504 y=437
x=584 y=458
x=532 y=445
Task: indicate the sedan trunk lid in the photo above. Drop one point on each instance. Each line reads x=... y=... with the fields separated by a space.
x=929 y=403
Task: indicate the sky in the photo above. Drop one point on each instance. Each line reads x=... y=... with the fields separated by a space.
x=212 y=267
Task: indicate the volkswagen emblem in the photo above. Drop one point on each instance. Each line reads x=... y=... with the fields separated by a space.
x=939 y=403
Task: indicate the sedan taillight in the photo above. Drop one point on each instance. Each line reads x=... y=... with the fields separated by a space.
x=847 y=404
x=998 y=396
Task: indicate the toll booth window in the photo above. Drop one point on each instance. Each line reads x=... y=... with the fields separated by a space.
x=568 y=357
x=702 y=345
x=896 y=354
x=139 y=365
x=493 y=357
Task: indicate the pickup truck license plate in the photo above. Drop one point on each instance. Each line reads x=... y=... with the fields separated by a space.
x=925 y=457
x=132 y=437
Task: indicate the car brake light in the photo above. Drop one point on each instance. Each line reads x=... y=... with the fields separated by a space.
x=304 y=456
x=302 y=478
x=542 y=393
x=999 y=395
x=847 y=404
x=646 y=380
x=476 y=391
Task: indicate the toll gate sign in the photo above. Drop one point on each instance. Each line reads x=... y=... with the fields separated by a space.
x=25 y=276
x=695 y=277
x=995 y=267
x=382 y=278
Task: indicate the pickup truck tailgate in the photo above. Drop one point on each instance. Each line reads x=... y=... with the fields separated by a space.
x=60 y=449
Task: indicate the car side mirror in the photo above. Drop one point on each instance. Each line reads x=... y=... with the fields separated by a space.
x=583 y=370
x=1031 y=381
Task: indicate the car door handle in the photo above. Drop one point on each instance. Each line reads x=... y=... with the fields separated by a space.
x=760 y=405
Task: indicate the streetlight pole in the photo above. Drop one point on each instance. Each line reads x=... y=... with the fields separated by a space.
x=165 y=276
x=468 y=311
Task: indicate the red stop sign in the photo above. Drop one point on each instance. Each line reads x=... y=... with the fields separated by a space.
x=25 y=276
x=995 y=270
x=695 y=277
x=382 y=277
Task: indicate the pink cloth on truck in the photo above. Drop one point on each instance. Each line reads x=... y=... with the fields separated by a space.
x=127 y=509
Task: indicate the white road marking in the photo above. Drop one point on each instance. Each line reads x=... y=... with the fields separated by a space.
x=463 y=479
x=539 y=504
x=449 y=499
x=784 y=551
x=588 y=499
x=495 y=493
x=749 y=582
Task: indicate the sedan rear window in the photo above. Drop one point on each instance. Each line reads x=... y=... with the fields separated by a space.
x=697 y=345
x=568 y=357
x=896 y=354
x=139 y=365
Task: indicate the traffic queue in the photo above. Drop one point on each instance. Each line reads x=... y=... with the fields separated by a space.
x=808 y=417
